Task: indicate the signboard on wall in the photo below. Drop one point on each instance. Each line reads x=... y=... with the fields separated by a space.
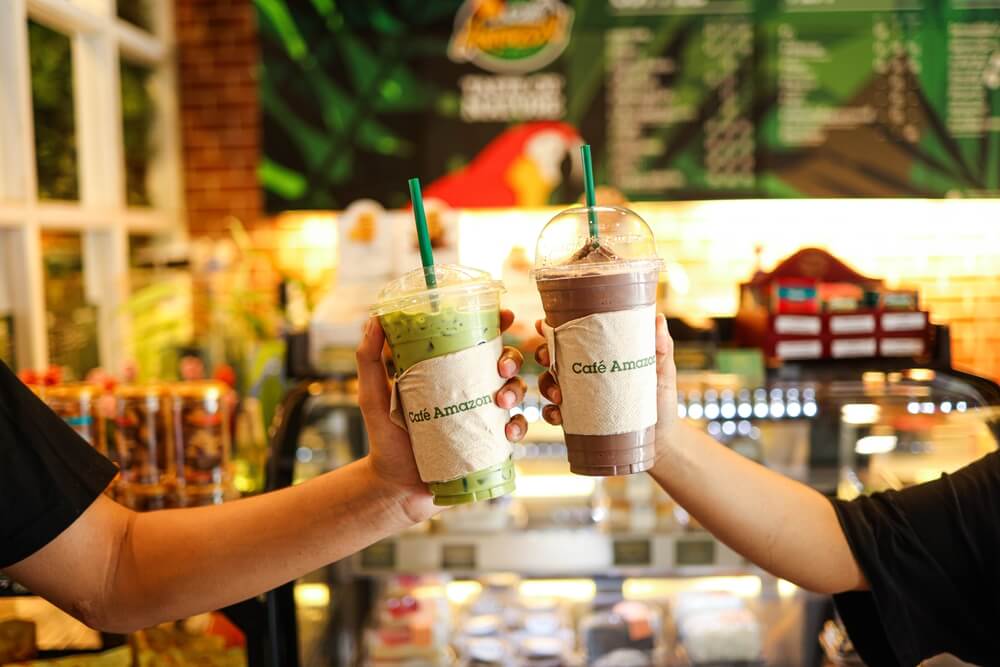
x=880 y=98
x=487 y=100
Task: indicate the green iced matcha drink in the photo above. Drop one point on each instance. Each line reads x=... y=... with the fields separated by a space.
x=420 y=323
x=416 y=336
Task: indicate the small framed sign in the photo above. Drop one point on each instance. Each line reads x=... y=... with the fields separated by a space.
x=458 y=557
x=380 y=556
x=694 y=552
x=633 y=553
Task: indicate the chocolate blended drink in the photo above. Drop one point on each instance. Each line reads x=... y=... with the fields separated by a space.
x=599 y=296
x=445 y=343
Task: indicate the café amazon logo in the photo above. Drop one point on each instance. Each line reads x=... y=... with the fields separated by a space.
x=510 y=36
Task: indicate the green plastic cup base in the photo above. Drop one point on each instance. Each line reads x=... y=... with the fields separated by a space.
x=492 y=482
x=475 y=496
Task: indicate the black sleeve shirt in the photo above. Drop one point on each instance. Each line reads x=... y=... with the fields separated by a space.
x=931 y=554
x=48 y=474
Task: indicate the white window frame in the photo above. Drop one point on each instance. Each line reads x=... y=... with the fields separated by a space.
x=99 y=40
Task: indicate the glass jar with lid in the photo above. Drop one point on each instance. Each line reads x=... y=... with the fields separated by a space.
x=201 y=442
x=142 y=435
x=77 y=404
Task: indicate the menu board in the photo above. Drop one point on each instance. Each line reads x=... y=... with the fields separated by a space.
x=679 y=95
x=880 y=99
x=487 y=101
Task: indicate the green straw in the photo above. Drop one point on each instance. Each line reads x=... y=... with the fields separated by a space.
x=423 y=236
x=588 y=189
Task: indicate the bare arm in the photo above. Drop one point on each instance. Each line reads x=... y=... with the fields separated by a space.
x=131 y=570
x=118 y=570
x=783 y=526
x=777 y=523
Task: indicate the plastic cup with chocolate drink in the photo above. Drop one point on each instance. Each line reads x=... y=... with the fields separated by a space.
x=597 y=271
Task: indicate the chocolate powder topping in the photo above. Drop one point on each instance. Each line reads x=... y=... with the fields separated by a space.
x=591 y=253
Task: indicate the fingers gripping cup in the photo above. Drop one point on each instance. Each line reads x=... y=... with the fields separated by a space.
x=445 y=343
x=599 y=295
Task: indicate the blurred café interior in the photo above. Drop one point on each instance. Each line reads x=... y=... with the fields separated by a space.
x=201 y=200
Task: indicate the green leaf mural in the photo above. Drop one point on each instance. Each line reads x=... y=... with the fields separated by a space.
x=733 y=98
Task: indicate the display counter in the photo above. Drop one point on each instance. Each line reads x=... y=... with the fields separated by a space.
x=843 y=427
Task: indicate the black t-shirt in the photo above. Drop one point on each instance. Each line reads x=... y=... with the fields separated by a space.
x=931 y=554
x=48 y=474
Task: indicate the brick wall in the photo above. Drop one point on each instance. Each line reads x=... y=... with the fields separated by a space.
x=220 y=118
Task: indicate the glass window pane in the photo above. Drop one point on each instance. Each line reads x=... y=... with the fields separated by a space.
x=159 y=307
x=71 y=320
x=138 y=117
x=141 y=261
x=52 y=104
x=136 y=12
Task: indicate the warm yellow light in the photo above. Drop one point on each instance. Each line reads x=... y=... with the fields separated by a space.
x=554 y=486
x=860 y=413
x=875 y=444
x=678 y=278
x=717 y=250
x=319 y=232
x=429 y=591
x=460 y=592
x=307 y=243
x=486 y=237
x=786 y=589
x=312 y=595
x=922 y=475
x=575 y=590
x=658 y=589
x=921 y=374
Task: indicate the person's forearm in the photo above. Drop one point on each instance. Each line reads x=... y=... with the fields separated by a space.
x=783 y=526
x=177 y=563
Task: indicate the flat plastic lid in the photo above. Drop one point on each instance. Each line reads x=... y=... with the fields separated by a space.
x=566 y=246
x=410 y=289
x=492 y=482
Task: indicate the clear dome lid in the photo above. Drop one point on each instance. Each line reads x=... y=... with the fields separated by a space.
x=453 y=280
x=566 y=245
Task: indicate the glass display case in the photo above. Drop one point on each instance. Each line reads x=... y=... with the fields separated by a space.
x=618 y=563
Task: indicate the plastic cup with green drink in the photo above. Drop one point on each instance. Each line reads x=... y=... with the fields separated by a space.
x=443 y=327
x=461 y=312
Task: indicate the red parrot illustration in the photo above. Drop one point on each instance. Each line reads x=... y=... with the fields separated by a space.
x=520 y=167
